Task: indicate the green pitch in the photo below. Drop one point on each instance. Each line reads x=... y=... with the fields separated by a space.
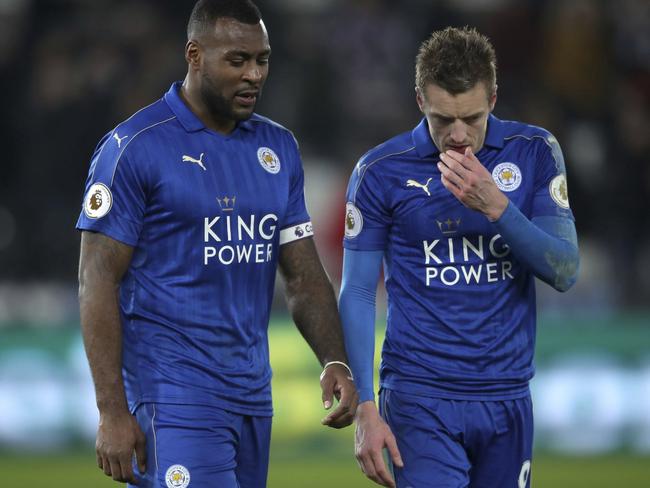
x=306 y=454
x=324 y=470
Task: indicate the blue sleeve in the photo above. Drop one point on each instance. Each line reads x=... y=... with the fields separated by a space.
x=116 y=192
x=357 y=308
x=548 y=246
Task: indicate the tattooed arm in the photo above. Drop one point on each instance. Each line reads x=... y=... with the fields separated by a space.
x=312 y=304
x=102 y=264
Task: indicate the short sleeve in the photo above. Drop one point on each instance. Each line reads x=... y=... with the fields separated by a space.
x=115 y=194
x=296 y=223
x=551 y=195
x=367 y=218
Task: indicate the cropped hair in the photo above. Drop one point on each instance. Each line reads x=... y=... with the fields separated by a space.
x=206 y=12
x=456 y=59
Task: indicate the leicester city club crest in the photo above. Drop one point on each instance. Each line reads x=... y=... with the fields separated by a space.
x=269 y=160
x=177 y=476
x=507 y=176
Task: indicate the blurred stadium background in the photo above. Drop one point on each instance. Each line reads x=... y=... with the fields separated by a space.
x=342 y=80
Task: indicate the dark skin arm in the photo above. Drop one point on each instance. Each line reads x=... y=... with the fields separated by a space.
x=102 y=264
x=312 y=304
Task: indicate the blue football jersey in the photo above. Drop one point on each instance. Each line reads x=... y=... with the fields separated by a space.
x=205 y=214
x=461 y=307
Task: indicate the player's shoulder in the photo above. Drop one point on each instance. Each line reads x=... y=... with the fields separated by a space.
x=388 y=152
x=521 y=133
x=269 y=127
x=150 y=118
x=127 y=136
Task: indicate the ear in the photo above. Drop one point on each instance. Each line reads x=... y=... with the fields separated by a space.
x=419 y=98
x=193 y=54
x=493 y=98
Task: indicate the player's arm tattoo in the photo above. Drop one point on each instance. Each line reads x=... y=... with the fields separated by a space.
x=102 y=264
x=311 y=300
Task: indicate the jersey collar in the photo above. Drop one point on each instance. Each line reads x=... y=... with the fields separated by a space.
x=425 y=147
x=187 y=118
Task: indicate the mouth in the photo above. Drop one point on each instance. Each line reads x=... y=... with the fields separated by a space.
x=458 y=149
x=246 y=98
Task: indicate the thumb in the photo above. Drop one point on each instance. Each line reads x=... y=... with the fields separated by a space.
x=141 y=452
x=468 y=151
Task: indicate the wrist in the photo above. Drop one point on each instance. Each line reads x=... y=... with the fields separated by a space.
x=340 y=363
x=495 y=212
x=367 y=409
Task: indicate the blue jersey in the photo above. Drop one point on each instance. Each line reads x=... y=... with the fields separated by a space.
x=461 y=307
x=205 y=214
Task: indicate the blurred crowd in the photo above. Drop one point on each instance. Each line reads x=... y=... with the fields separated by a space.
x=342 y=77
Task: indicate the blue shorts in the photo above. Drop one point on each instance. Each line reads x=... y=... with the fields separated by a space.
x=460 y=443
x=207 y=445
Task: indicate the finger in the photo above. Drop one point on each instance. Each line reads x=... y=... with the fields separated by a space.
x=327 y=386
x=126 y=465
x=368 y=467
x=450 y=186
x=450 y=174
x=467 y=161
x=455 y=165
x=100 y=463
x=106 y=466
x=383 y=475
x=393 y=451
x=115 y=468
x=141 y=452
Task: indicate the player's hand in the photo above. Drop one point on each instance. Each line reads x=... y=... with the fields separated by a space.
x=372 y=435
x=335 y=381
x=471 y=183
x=118 y=437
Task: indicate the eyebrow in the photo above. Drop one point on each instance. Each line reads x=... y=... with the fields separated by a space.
x=247 y=54
x=447 y=117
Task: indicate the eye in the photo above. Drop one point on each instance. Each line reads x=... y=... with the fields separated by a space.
x=444 y=120
x=237 y=62
x=263 y=61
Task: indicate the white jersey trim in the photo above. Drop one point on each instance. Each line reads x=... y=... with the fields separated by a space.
x=295 y=232
x=363 y=168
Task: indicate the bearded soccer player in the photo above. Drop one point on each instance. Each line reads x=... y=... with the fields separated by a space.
x=465 y=210
x=190 y=207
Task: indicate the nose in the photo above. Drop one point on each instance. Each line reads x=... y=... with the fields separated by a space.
x=253 y=73
x=458 y=131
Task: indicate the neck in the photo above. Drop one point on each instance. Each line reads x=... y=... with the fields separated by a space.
x=191 y=95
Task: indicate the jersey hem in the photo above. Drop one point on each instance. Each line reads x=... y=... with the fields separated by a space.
x=429 y=391
x=222 y=404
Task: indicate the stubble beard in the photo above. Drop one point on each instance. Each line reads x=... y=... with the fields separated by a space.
x=219 y=107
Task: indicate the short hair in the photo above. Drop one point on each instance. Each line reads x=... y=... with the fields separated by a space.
x=206 y=12
x=456 y=59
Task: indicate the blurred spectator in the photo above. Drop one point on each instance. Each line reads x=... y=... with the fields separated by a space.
x=69 y=70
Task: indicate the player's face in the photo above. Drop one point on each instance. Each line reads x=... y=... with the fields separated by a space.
x=234 y=66
x=456 y=121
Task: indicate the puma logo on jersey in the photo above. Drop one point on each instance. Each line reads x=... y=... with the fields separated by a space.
x=190 y=159
x=118 y=139
x=425 y=187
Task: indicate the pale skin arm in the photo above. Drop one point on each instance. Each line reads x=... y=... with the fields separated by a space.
x=312 y=304
x=102 y=264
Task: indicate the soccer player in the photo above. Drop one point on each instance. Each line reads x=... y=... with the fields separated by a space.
x=465 y=210
x=190 y=207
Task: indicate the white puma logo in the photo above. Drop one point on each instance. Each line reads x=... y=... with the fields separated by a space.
x=118 y=139
x=190 y=159
x=424 y=187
